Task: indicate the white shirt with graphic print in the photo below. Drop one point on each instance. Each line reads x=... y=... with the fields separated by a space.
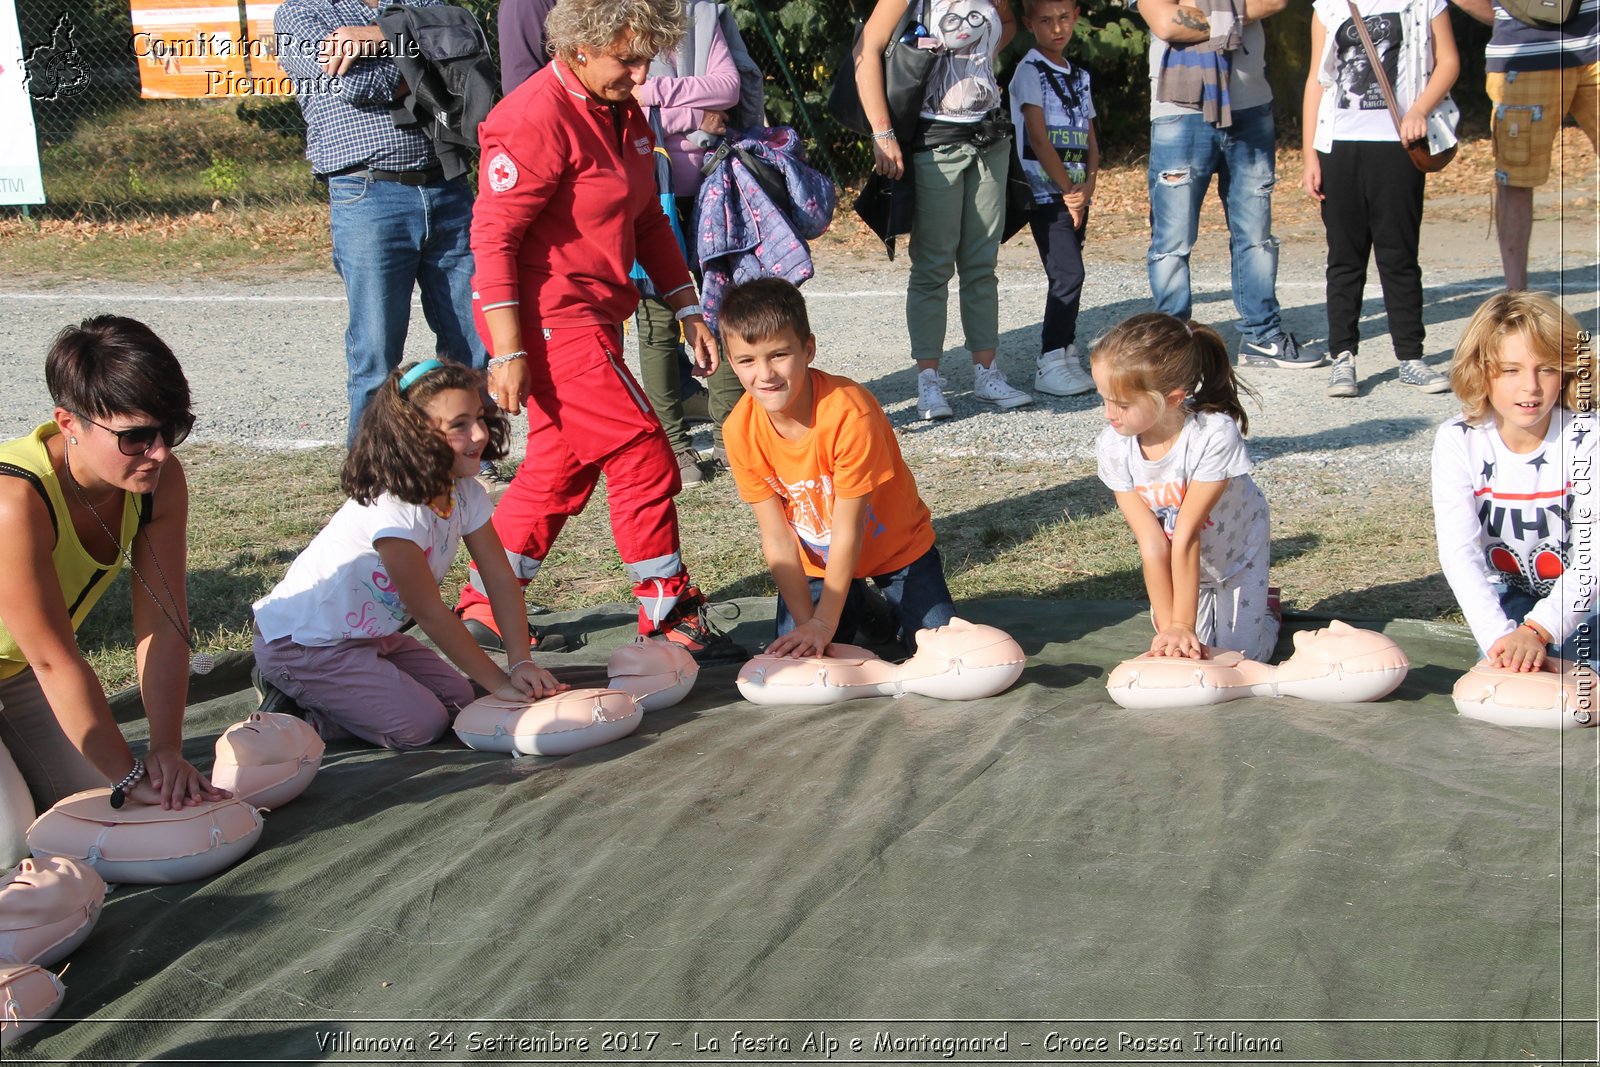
x=338 y=590
x=1353 y=104
x=962 y=86
x=1068 y=127
x=1209 y=449
x=1524 y=520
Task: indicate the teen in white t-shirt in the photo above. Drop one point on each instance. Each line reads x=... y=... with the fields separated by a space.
x=1356 y=167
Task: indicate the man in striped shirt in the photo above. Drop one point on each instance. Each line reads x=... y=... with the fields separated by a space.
x=1536 y=77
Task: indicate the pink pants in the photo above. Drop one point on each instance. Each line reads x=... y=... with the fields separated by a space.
x=587 y=416
x=391 y=691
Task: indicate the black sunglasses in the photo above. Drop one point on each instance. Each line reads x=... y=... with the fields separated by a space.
x=137 y=440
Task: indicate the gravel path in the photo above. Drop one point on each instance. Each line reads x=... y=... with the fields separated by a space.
x=266 y=360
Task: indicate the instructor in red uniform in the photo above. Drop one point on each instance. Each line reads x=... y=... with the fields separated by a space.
x=567 y=202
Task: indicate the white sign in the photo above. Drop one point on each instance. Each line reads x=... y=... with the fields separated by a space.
x=20 y=181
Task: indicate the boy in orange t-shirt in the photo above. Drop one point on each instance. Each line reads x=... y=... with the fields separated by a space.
x=815 y=457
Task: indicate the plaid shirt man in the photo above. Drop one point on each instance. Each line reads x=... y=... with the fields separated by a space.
x=348 y=121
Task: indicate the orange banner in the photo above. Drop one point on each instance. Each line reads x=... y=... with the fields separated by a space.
x=194 y=48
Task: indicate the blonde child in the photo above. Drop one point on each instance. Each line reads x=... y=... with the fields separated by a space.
x=1174 y=454
x=1513 y=483
x=328 y=635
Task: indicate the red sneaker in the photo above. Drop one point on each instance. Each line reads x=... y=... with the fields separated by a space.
x=689 y=626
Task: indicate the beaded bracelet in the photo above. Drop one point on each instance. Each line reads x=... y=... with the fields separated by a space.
x=500 y=361
x=883 y=135
x=119 y=792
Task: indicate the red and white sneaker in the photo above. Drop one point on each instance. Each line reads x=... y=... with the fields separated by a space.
x=689 y=625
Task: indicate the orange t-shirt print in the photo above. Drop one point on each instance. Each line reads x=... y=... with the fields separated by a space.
x=850 y=452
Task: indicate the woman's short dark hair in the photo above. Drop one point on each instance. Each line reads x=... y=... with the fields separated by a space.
x=398 y=451
x=109 y=366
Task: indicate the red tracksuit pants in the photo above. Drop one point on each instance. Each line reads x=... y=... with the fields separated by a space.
x=588 y=416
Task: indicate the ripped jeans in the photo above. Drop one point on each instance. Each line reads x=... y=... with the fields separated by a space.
x=1185 y=151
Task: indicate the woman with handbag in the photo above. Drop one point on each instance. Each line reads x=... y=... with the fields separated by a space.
x=957 y=156
x=1379 y=84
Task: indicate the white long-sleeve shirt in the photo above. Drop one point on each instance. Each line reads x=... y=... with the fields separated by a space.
x=1525 y=520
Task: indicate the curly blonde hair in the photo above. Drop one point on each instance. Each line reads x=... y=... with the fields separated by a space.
x=657 y=25
x=1551 y=333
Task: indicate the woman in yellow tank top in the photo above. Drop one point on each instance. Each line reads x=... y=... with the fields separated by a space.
x=90 y=491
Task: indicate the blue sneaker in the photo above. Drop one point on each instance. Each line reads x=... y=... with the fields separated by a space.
x=1282 y=351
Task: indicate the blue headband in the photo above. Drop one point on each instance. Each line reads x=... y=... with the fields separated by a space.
x=409 y=378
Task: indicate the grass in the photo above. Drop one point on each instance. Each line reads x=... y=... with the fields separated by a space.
x=1005 y=530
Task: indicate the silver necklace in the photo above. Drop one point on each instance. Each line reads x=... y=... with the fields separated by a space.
x=199 y=662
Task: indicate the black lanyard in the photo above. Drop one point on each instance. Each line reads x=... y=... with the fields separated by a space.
x=1071 y=106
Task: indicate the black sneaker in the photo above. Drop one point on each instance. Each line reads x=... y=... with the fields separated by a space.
x=272 y=700
x=1282 y=351
x=489 y=640
x=689 y=626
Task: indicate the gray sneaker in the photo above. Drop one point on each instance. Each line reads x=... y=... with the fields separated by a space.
x=272 y=700
x=1282 y=351
x=689 y=470
x=1342 y=382
x=1417 y=373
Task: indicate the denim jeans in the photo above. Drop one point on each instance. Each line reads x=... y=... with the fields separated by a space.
x=1185 y=151
x=388 y=238
x=1579 y=646
x=917 y=595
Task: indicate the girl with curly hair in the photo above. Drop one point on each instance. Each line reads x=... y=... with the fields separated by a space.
x=328 y=635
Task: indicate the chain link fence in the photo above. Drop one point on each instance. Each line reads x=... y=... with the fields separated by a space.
x=108 y=155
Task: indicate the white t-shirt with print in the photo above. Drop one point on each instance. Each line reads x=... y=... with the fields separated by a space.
x=1066 y=123
x=1359 y=111
x=338 y=590
x=1209 y=449
x=1524 y=520
x=962 y=86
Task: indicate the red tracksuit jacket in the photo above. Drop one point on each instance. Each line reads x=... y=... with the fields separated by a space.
x=566 y=203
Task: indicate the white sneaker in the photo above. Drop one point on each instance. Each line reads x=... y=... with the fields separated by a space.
x=990 y=386
x=1061 y=373
x=931 y=403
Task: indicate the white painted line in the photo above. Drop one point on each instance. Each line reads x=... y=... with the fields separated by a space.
x=1484 y=285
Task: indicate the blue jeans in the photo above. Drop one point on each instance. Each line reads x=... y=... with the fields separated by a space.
x=387 y=238
x=1579 y=647
x=918 y=600
x=1185 y=151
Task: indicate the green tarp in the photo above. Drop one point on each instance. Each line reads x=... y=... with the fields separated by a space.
x=1038 y=877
